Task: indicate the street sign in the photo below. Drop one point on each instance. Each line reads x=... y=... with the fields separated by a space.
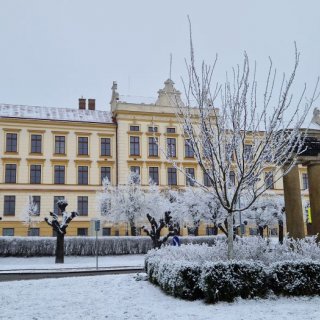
x=97 y=225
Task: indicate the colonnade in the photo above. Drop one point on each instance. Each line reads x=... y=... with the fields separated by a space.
x=292 y=197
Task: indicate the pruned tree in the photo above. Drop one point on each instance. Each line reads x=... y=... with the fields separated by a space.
x=240 y=131
x=30 y=211
x=60 y=227
x=154 y=232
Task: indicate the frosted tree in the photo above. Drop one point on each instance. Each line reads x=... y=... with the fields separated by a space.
x=267 y=211
x=187 y=207
x=60 y=227
x=158 y=215
x=30 y=211
x=238 y=130
x=125 y=203
x=156 y=226
x=214 y=213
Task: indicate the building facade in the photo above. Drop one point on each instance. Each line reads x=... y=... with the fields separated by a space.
x=55 y=153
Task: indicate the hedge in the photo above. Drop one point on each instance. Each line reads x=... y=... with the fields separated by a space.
x=228 y=280
x=84 y=246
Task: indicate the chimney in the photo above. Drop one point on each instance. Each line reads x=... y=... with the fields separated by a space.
x=82 y=104
x=92 y=104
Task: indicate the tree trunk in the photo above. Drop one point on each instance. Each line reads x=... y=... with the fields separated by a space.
x=133 y=229
x=281 y=232
x=60 y=248
x=261 y=231
x=230 y=236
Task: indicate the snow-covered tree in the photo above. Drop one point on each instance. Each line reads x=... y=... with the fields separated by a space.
x=158 y=215
x=125 y=203
x=267 y=211
x=239 y=130
x=30 y=211
x=154 y=232
x=188 y=207
x=60 y=227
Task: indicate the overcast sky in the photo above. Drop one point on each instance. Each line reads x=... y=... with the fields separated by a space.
x=54 y=51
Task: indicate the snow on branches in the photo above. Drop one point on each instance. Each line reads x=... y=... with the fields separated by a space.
x=30 y=211
x=244 y=136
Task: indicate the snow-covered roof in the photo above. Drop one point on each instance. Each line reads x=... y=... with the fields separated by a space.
x=52 y=113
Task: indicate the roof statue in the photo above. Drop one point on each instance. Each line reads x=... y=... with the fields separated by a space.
x=169 y=95
x=316 y=117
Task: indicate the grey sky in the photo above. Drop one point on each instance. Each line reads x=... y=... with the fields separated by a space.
x=54 y=51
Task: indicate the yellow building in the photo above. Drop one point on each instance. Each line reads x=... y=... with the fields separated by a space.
x=54 y=153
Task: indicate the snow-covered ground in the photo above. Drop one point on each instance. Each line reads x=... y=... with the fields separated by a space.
x=122 y=297
x=37 y=263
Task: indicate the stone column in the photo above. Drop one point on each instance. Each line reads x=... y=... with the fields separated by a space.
x=293 y=204
x=314 y=195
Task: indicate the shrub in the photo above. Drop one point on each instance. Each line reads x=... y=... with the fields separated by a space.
x=225 y=281
x=295 y=278
x=177 y=279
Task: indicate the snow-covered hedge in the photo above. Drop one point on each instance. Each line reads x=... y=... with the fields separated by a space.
x=85 y=246
x=200 y=271
x=225 y=281
x=295 y=278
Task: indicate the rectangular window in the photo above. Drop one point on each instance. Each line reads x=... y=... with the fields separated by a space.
x=106 y=231
x=229 y=152
x=56 y=209
x=134 y=128
x=247 y=152
x=83 y=205
x=134 y=146
x=59 y=174
x=171 y=130
x=274 y=232
x=268 y=180
x=188 y=151
x=83 y=146
x=211 y=231
x=9 y=205
x=190 y=177
x=8 y=232
x=152 y=129
x=36 y=142
x=206 y=180
x=253 y=231
x=83 y=175
x=37 y=201
x=105 y=173
x=11 y=173
x=232 y=178
x=305 y=182
x=105 y=146
x=82 y=232
x=154 y=174
x=172 y=176
x=34 y=232
x=171 y=147
x=35 y=174
x=135 y=169
x=11 y=142
x=153 y=147
x=60 y=144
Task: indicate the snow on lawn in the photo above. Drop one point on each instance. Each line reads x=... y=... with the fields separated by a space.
x=36 y=263
x=122 y=297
